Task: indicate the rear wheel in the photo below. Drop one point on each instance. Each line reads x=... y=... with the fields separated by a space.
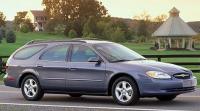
x=166 y=97
x=31 y=88
x=125 y=91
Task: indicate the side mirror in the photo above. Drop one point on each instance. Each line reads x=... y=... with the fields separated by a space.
x=95 y=59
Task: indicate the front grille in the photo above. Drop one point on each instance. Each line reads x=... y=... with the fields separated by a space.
x=182 y=76
x=181 y=89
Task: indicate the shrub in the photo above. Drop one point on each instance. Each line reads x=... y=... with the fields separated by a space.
x=90 y=35
x=59 y=28
x=3 y=32
x=24 y=28
x=72 y=34
x=10 y=37
x=1 y=35
x=118 y=35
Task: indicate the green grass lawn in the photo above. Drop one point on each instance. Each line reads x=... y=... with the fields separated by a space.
x=22 y=38
x=142 y=48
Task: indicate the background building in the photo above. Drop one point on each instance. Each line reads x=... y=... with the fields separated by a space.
x=38 y=18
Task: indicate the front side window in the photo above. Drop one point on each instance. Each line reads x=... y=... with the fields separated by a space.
x=28 y=52
x=58 y=53
x=82 y=53
x=117 y=53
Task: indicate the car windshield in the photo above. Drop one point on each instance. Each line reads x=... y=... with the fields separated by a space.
x=114 y=52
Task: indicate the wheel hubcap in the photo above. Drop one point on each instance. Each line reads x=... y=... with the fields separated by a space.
x=123 y=91
x=30 y=88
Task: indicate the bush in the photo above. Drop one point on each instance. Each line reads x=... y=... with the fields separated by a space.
x=24 y=28
x=118 y=35
x=3 y=32
x=90 y=35
x=72 y=34
x=59 y=28
x=1 y=36
x=10 y=37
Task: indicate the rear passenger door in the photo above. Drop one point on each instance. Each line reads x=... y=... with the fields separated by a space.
x=84 y=76
x=52 y=67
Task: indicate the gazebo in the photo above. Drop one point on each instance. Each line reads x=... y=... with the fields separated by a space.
x=174 y=33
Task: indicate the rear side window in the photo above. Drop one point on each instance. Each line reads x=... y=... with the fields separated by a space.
x=28 y=52
x=58 y=53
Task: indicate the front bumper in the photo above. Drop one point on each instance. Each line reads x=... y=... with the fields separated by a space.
x=156 y=87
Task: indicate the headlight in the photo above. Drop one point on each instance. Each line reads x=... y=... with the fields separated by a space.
x=158 y=75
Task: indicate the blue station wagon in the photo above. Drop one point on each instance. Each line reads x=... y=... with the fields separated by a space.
x=93 y=67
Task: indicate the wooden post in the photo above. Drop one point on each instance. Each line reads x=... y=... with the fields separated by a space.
x=170 y=42
x=189 y=46
x=158 y=40
x=183 y=43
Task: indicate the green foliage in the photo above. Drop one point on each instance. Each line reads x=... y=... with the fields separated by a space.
x=72 y=34
x=91 y=35
x=10 y=37
x=50 y=25
x=1 y=36
x=90 y=27
x=59 y=28
x=74 y=13
x=19 y=19
x=24 y=28
x=118 y=35
x=2 y=20
x=143 y=28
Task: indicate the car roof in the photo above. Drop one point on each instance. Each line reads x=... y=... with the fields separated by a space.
x=88 y=41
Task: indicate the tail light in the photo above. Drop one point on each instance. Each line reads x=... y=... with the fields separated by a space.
x=5 y=67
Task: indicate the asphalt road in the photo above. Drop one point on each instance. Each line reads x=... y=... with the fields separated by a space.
x=12 y=100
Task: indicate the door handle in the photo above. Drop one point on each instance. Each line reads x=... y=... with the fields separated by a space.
x=39 y=66
x=72 y=69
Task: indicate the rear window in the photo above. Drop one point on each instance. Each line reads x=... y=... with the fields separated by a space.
x=28 y=52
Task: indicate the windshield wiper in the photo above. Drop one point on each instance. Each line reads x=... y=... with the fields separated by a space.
x=121 y=60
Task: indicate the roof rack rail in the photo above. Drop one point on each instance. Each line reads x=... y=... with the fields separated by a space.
x=86 y=39
x=49 y=41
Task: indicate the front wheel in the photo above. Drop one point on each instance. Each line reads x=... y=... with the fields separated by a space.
x=166 y=97
x=125 y=91
x=31 y=89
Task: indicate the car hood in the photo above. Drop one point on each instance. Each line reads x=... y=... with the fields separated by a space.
x=150 y=65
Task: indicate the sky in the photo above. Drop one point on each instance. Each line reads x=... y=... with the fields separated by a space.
x=190 y=9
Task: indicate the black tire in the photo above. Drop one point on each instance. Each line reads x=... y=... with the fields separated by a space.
x=39 y=92
x=135 y=93
x=166 y=97
x=75 y=95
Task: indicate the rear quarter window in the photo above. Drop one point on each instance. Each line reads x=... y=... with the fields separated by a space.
x=28 y=52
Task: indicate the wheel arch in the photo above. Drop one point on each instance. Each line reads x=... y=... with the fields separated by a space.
x=26 y=73
x=115 y=77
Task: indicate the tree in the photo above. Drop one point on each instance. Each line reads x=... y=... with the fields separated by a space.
x=72 y=34
x=1 y=35
x=118 y=35
x=74 y=13
x=144 y=20
x=142 y=28
x=19 y=19
x=161 y=18
x=89 y=27
x=24 y=28
x=59 y=28
x=10 y=37
x=2 y=20
x=28 y=24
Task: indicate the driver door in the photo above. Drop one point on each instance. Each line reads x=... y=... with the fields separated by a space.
x=84 y=76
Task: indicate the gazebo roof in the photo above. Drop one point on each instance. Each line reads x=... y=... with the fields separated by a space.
x=174 y=27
